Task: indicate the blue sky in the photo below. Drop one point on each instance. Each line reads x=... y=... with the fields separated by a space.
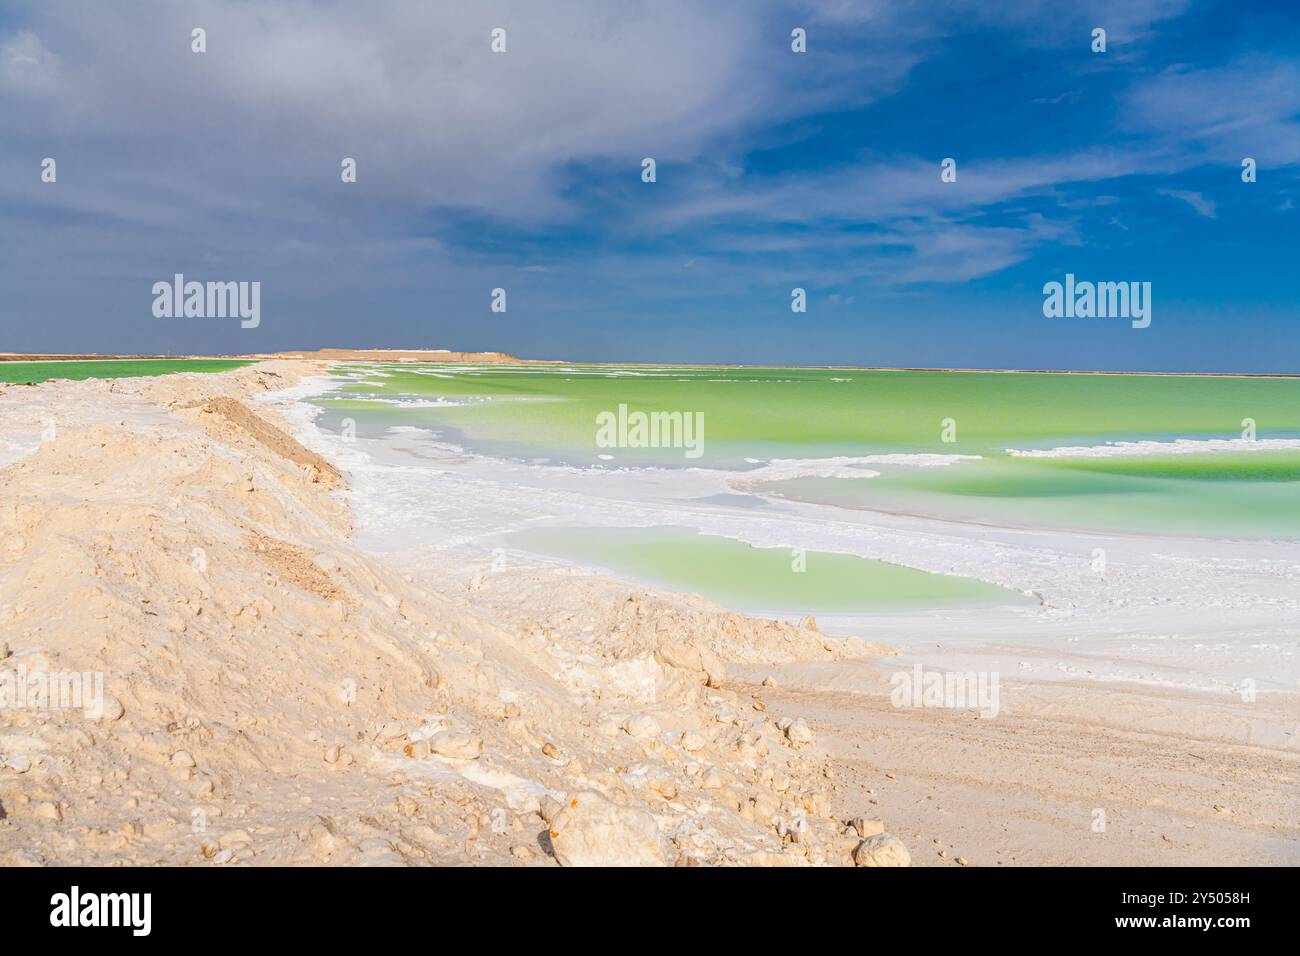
x=522 y=170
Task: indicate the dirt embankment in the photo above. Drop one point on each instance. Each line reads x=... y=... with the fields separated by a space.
x=273 y=695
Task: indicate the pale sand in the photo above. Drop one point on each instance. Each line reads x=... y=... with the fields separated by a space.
x=281 y=690
x=296 y=672
x=1177 y=777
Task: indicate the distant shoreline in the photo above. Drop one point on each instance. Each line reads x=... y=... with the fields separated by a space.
x=505 y=358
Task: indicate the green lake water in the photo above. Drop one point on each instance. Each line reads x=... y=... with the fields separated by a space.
x=753 y=415
x=777 y=580
x=1247 y=495
x=110 y=368
x=536 y=407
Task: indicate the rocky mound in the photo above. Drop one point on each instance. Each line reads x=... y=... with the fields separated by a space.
x=273 y=695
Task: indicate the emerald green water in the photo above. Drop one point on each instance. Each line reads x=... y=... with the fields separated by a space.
x=736 y=574
x=830 y=409
x=757 y=414
x=1252 y=495
x=119 y=368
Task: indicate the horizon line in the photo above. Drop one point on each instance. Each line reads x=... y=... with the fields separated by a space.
x=507 y=358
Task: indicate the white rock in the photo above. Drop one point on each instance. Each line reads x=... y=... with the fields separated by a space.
x=113 y=709
x=456 y=745
x=854 y=647
x=692 y=742
x=882 y=850
x=685 y=656
x=713 y=779
x=799 y=732
x=641 y=726
x=751 y=747
x=867 y=828
x=693 y=657
x=549 y=809
x=18 y=763
x=182 y=758
x=593 y=831
x=714 y=669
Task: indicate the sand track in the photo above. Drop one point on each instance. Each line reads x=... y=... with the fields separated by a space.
x=1026 y=787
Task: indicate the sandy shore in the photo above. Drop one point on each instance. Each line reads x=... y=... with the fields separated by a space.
x=1181 y=778
x=279 y=695
x=1174 y=779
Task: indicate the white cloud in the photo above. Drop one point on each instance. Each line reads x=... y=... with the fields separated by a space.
x=410 y=89
x=1204 y=207
x=1246 y=108
x=233 y=156
x=26 y=66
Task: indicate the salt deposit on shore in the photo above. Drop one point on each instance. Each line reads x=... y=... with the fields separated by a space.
x=1181 y=446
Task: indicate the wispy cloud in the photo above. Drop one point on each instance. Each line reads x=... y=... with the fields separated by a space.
x=1249 y=107
x=1204 y=207
x=474 y=169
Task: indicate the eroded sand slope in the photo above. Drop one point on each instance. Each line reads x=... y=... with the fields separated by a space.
x=276 y=696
